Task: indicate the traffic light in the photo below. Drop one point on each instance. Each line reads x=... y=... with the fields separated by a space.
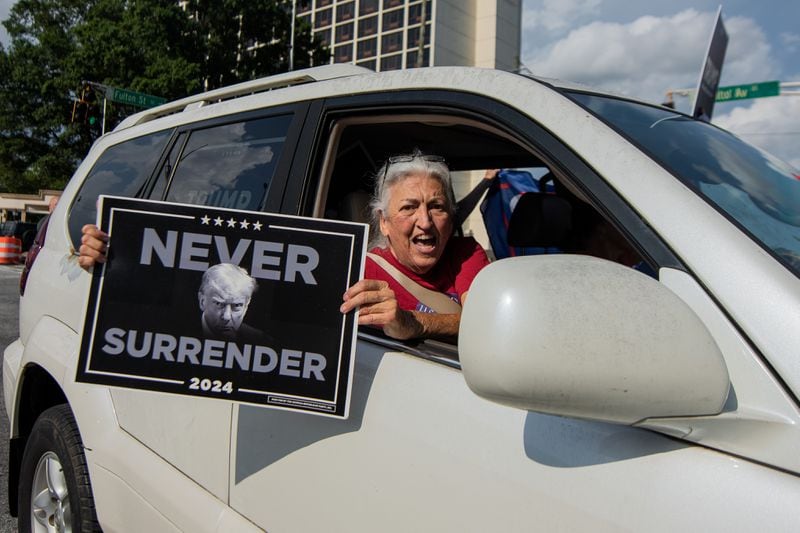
x=78 y=112
x=92 y=114
x=85 y=110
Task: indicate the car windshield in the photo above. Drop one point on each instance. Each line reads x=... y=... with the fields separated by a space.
x=756 y=190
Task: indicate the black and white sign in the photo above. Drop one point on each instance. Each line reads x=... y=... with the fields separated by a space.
x=707 y=86
x=227 y=304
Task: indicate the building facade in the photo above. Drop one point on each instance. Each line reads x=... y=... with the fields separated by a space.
x=27 y=207
x=395 y=34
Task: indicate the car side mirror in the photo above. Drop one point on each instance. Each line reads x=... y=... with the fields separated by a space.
x=583 y=337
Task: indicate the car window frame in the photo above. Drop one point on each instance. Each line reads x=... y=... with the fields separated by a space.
x=273 y=199
x=301 y=194
x=141 y=191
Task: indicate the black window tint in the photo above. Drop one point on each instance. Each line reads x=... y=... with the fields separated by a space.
x=230 y=165
x=344 y=32
x=343 y=54
x=121 y=170
x=323 y=18
x=366 y=7
x=367 y=27
x=345 y=12
x=415 y=14
x=367 y=48
x=323 y=37
x=394 y=62
x=414 y=33
x=392 y=19
x=413 y=56
x=392 y=42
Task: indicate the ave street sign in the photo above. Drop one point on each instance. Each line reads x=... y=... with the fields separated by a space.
x=752 y=90
x=124 y=96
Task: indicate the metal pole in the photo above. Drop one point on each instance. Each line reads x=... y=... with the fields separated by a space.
x=103 y=129
x=291 y=37
x=421 y=52
x=790 y=85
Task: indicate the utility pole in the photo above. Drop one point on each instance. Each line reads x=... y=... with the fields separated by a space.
x=421 y=52
x=291 y=37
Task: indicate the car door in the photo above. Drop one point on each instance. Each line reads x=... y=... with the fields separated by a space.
x=420 y=451
x=238 y=162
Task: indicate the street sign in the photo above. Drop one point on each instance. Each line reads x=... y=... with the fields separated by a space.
x=712 y=69
x=124 y=96
x=751 y=90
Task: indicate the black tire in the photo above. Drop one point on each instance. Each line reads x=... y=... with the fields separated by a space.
x=55 y=444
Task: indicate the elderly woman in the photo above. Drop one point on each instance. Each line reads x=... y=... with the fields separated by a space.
x=418 y=274
x=416 y=256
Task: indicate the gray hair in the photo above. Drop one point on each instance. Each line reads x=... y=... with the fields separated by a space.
x=228 y=275
x=396 y=169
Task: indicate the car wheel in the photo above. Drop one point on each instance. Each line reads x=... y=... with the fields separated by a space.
x=55 y=494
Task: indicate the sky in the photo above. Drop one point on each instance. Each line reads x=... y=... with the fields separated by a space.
x=643 y=48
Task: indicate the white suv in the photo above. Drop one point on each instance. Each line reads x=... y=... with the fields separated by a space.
x=582 y=395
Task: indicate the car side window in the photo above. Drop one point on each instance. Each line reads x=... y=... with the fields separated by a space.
x=559 y=216
x=231 y=165
x=122 y=170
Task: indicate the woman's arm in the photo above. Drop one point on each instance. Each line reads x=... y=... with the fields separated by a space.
x=466 y=205
x=378 y=307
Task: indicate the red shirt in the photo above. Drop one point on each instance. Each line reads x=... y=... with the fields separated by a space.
x=461 y=261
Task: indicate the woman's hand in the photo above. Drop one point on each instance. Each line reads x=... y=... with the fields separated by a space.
x=378 y=307
x=94 y=244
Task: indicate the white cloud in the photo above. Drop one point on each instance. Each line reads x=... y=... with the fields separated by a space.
x=555 y=15
x=749 y=56
x=770 y=123
x=646 y=57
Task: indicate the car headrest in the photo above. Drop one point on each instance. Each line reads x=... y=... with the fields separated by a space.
x=540 y=220
x=355 y=206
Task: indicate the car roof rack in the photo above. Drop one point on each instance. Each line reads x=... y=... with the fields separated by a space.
x=296 y=77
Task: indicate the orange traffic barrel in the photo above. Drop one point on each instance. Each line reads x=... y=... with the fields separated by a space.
x=10 y=250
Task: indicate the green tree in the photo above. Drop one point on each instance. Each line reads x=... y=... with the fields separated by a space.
x=36 y=149
x=150 y=46
x=247 y=39
x=144 y=45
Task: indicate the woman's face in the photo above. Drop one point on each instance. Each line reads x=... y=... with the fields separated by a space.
x=417 y=224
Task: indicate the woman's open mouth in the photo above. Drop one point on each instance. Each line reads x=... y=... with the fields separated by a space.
x=424 y=243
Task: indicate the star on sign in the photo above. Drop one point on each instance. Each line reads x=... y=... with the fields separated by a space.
x=257 y=226
x=231 y=222
x=244 y=224
x=218 y=221
x=205 y=220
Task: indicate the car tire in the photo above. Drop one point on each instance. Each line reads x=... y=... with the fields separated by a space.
x=55 y=493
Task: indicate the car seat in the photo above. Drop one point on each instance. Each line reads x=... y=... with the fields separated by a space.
x=354 y=206
x=540 y=221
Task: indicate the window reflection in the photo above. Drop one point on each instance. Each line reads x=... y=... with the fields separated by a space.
x=230 y=166
x=753 y=188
